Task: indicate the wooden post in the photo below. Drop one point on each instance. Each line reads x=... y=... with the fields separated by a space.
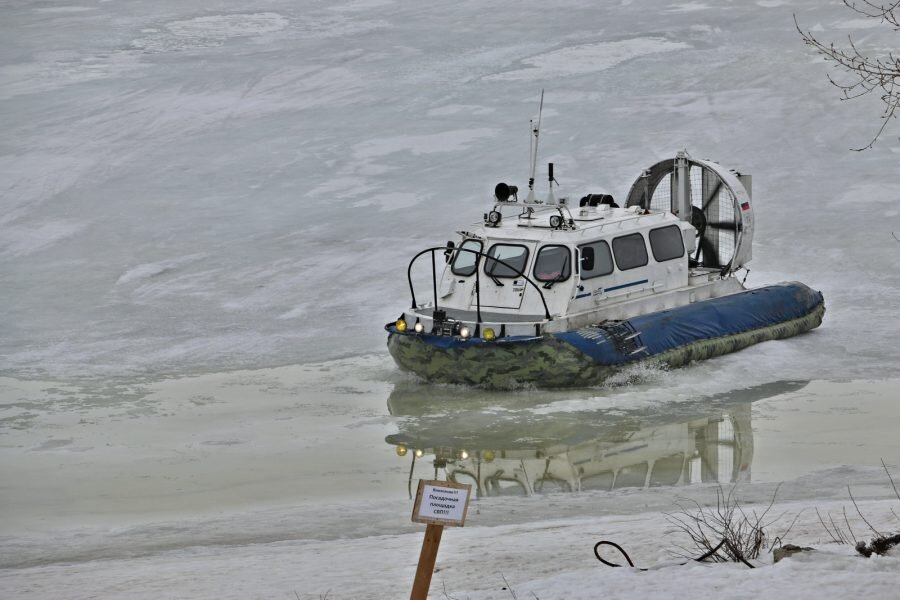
x=438 y=503
x=426 y=561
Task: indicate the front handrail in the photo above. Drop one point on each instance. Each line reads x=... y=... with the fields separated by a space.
x=478 y=255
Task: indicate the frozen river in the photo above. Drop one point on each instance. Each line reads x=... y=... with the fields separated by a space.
x=206 y=214
x=188 y=188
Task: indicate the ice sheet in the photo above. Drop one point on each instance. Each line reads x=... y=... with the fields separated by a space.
x=188 y=187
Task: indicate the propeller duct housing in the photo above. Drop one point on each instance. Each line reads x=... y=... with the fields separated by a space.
x=721 y=210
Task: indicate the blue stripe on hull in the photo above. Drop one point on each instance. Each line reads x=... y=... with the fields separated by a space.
x=625 y=285
x=665 y=330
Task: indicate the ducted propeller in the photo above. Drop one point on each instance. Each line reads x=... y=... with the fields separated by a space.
x=719 y=203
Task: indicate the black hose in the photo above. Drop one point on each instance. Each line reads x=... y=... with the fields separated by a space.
x=724 y=542
x=617 y=547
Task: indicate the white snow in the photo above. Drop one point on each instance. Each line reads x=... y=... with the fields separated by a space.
x=22 y=240
x=454 y=109
x=586 y=58
x=857 y=24
x=445 y=141
x=64 y=9
x=51 y=72
x=688 y=7
x=206 y=32
x=389 y=202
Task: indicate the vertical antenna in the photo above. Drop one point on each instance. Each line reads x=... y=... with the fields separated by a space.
x=536 y=132
x=551 y=199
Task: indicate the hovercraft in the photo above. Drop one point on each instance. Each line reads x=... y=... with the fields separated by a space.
x=557 y=293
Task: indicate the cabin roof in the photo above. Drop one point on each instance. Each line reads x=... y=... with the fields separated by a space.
x=589 y=223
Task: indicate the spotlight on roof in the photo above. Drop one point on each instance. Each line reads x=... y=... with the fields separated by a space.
x=492 y=219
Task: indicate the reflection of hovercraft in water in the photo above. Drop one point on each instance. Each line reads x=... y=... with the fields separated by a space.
x=548 y=293
x=524 y=452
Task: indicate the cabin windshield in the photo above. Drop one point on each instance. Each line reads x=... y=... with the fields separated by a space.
x=514 y=255
x=465 y=263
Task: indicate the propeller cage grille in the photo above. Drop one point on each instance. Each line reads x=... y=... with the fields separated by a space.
x=718 y=230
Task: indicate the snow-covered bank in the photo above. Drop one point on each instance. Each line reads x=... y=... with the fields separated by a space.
x=538 y=555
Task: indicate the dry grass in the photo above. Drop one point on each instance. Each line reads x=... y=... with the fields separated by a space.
x=843 y=533
x=724 y=533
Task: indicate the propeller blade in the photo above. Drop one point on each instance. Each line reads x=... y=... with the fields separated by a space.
x=698 y=220
x=715 y=194
x=710 y=256
x=727 y=225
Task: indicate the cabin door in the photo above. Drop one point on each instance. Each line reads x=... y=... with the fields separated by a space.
x=502 y=283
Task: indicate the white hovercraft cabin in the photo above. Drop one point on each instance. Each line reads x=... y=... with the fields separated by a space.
x=592 y=262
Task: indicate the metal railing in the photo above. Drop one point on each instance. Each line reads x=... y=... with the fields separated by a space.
x=478 y=255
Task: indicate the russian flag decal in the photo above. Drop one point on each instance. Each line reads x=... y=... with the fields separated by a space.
x=745 y=206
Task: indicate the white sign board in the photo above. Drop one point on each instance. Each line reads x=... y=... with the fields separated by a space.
x=441 y=502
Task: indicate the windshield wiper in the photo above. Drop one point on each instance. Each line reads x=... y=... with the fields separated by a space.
x=556 y=279
x=563 y=275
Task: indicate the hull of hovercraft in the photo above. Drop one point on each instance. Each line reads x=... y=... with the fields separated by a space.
x=590 y=355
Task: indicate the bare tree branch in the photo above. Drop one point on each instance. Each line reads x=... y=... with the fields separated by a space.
x=893 y=485
x=836 y=535
x=883 y=12
x=855 y=505
x=850 y=529
x=866 y=75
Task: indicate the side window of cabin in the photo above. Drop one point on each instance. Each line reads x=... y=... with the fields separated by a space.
x=511 y=254
x=596 y=260
x=630 y=251
x=553 y=263
x=666 y=243
x=465 y=263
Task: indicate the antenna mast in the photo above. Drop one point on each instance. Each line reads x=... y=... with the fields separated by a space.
x=533 y=147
